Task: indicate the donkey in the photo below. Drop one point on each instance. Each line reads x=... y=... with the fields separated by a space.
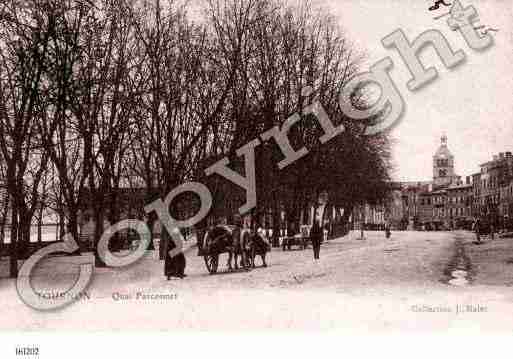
x=258 y=246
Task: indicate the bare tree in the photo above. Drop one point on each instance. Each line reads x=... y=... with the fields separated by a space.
x=25 y=38
x=107 y=94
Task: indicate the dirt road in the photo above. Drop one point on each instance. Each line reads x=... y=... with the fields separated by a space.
x=375 y=284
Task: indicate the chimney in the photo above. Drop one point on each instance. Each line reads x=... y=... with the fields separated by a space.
x=468 y=180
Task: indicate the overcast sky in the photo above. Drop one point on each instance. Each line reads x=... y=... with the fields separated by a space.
x=472 y=104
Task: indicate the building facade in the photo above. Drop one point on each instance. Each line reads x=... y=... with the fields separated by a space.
x=493 y=191
x=444 y=202
x=447 y=202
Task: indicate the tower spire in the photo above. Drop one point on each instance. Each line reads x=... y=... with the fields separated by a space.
x=444 y=139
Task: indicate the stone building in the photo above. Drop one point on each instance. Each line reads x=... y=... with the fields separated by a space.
x=459 y=205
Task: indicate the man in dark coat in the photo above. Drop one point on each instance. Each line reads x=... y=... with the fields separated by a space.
x=316 y=237
x=173 y=266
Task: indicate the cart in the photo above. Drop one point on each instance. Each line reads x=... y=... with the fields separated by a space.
x=217 y=241
x=301 y=240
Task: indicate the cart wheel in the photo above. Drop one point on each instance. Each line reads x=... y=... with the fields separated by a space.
x=211 y=261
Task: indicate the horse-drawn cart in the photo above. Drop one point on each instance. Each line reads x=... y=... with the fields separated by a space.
x=223 y=239
x=234 y=241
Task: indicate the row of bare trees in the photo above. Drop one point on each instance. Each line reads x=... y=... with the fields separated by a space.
x=96 y=95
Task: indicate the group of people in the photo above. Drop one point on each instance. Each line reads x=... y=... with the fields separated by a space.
x=175 y=266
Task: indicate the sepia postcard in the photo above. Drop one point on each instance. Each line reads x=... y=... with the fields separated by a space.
x=255 y=165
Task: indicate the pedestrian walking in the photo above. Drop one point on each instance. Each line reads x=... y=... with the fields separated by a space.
x=387 y=230
x=316 y=237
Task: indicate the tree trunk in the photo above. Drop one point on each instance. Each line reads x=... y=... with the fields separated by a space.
x=98 y=231
x=13 y=265
x=276 y=224
x=62 y=230
x=39 y=230
x=73 y=230
x=116 y=242
x=3 y=221
x=40 y=224
x=362 y=221
x=23 y=238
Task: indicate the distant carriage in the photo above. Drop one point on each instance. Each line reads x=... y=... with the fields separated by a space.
x=302 y=239
x=485 y=227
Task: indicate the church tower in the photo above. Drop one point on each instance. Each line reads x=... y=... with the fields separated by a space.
x=443 y=165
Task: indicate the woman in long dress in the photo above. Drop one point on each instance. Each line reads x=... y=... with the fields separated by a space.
x=173 y=266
